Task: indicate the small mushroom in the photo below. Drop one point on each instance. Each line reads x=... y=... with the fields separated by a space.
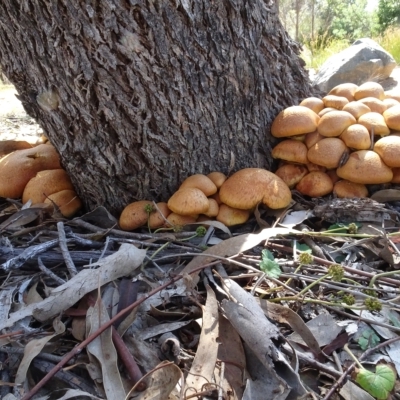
x=135 y=215
x=294 y=120
x=335 y=122
x=46 y=183
x=356 y=109
x=158 y=215
x=315 y=184
x=232 y=216
x=291 y=174
x=333 y=101
x=312 y=138
x=200 y=181
x=392 y=117
x=213 y=208
x=188 y=201
x=67 y=202
x=291 y=150
x=8 y=146
x=250 y=186
x=347 y=189
x=357 y=137
x=369 y=89
x=375 y=121
x=365 y=166
x=345 y=90
x=218 y=178
x=374 y=104
x=313 y=103
x=175 y=219
x=327 y=152
x=388 y=149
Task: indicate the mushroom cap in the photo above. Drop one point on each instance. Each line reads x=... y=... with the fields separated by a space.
x=250 y=186
x=188 y=201
x=376 y=121
x=294 y=120
x=45 y=183
x=315 y=184
x=232 y=216
x=291 y=174
x=213 y=209
x=356 y=109
x=333 y=175
x=365 y=166
x=326 y=110
x=67 y=202
x=390 y=103
x=218 y=178
x=392 y=117
x=337 y=102
x=327 y=152
x=200 y=181
x=335 y=122
x=347 y=189
x=175 y=219
x=388 y=149
x=374 y=104
x=345 y=89
x=313 y=103
x=393 y=94
x=20 y=166
x=8 y=146
x=156 y=220
x=315 y=167
x=291 y=150
x=312 y=138
x=357 y=137
x=134 y=215
x=369 y=89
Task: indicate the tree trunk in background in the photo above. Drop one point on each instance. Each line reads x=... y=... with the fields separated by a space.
x=138 y=95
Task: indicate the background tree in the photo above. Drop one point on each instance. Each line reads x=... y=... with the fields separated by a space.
x=388 y=14
x=137 y=95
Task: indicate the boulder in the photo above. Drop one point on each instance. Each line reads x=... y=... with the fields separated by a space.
x=363 y=61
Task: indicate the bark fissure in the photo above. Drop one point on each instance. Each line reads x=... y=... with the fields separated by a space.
x=151 y=92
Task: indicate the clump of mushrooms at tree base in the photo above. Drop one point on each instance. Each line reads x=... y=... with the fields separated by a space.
x=34 y=173
x=338 y=144
x=341 y=143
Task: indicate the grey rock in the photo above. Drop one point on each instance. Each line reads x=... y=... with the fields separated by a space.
x=361 y=62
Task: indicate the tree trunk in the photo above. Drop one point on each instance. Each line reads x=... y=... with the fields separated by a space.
x=138 y=95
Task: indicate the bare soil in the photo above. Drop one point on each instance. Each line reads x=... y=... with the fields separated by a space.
x=16 y=124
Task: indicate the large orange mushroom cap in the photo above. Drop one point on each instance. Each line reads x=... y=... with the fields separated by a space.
x=188 y=201
x=67 y=202
x=250 y=186
x=46 y=183
x=135 y=215
x=20 y=166
x=365 y=166
x=294 y=120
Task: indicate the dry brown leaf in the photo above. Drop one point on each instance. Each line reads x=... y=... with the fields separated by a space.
x=202 y=370
x=103 y=349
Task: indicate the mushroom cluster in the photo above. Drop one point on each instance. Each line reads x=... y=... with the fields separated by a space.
x=341 y=143
x=35 y=174
x=213 y=196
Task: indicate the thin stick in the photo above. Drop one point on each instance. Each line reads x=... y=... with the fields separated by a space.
x=64 y=249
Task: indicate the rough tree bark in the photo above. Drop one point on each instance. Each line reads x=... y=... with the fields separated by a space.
x=138 y=95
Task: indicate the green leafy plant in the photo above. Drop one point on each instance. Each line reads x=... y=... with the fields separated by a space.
x=378 y=384
x=268 y=264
